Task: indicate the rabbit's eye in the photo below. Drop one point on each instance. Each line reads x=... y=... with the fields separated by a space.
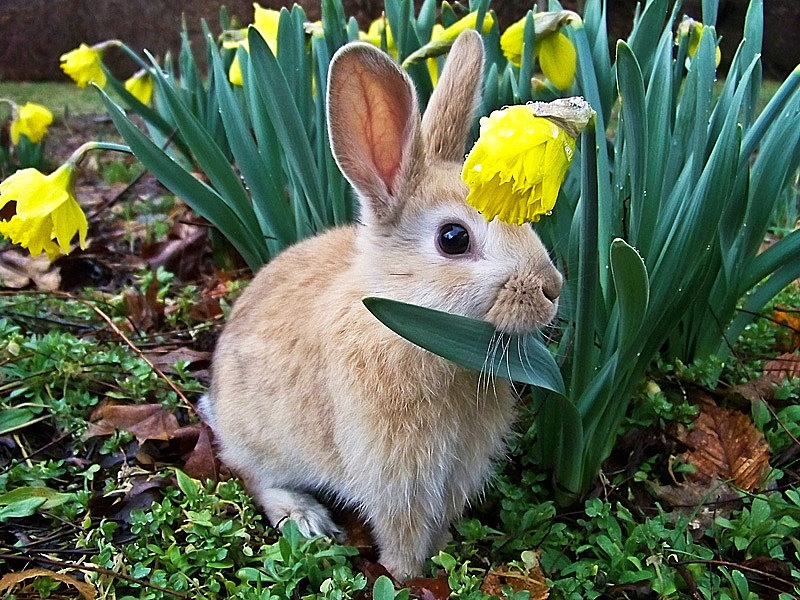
x=453 y=239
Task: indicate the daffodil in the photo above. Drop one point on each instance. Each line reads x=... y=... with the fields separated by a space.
x=556 y=54
x=374 y=35
x=84 y=65
x=140 y=85
x=694 y=31
x=516 y=167
x=445 y=36
x=47 y=214
x=265 y=21
x=30 y=120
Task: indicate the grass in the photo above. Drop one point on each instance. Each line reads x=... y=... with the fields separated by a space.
x=59 y=97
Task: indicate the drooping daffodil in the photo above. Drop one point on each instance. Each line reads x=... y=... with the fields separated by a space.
x=442 y=39
x=30 y=120
x=694 y=30
x=140 y=86
x=47 y=215
x=84 y=64
x=517 y=166
x=265 y=21
x=554 y=50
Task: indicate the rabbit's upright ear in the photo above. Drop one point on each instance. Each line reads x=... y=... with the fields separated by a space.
x=451 y=109
x=374 y=128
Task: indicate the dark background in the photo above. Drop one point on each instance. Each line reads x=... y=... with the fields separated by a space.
x=34 y=33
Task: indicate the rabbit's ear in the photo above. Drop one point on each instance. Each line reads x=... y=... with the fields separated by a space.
x=374 y=128
x=449 y=115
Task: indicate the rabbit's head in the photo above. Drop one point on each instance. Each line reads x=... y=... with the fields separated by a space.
x=419 y=241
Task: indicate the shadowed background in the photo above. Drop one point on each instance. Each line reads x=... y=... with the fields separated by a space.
x=34 y=33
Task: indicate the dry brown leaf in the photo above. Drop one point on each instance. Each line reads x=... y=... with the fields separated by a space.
x=144 y=311
x=19 y=269
x=10 y=580
x=181 y=253
x=428 y=588
x=724 y=444
x=776 y=371
x=166 y=360
x=531 y=580
x=145 y=421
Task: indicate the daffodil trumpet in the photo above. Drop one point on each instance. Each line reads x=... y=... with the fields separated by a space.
x=47 y=215
x=517 y=166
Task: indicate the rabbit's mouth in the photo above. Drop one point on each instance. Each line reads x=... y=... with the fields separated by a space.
x=526 y=303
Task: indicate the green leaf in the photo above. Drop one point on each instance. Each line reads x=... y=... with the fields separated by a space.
x=633 y=290
x=25 y=501
x=269 y=205
x=471 y=343
x=15 y=418
x=187 y=485
x=291 y=132
x=634 y=127
x=383 y=589
x=203 y=200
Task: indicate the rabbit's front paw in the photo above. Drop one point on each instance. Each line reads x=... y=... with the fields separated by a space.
x=312 y=519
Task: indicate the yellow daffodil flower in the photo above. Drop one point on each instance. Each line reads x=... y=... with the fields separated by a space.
x=516 y=167
x=556 y=54
x=84 y=65
x=140 y=86
x=374 y=35
x=32 y=121
x=694 y=30
x=265 y=20
x=47 y=214
x=445 y=36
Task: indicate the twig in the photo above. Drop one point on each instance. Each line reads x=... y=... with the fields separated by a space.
x=732 y=565
x=93 y=569
x=133 y=347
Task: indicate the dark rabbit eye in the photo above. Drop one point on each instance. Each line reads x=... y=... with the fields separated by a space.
x=453 y=239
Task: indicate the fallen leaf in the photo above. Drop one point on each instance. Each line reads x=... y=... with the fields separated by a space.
x=724 y=444
x=199 y=459
x=10 y=580
x=181 y=253
x=166 y=360
x=790 y=319
x=118 y=503
x=428 y=588
x=19 y=270
x=145 y=312
x=532 y=581
x=775 y=372
x=145 y=421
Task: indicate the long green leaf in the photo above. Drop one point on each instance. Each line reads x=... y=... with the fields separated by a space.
x=288 y=124
x=471 y=343
x=269 y=204
x=203 y=200
x=633 y=290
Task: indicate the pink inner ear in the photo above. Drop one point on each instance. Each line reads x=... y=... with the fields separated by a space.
x=383 y=130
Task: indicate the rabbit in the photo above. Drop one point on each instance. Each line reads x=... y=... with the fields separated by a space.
x=310 y=393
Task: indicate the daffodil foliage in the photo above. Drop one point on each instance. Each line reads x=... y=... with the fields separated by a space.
x=657 y=222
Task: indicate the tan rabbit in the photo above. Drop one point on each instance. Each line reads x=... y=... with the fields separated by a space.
x=311 y=393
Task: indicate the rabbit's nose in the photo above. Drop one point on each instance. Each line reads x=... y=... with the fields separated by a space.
x=551 y=286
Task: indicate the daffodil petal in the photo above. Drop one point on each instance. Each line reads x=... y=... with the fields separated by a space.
x=558 y=59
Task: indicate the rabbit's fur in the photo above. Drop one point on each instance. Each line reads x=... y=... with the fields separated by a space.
x=311 y=393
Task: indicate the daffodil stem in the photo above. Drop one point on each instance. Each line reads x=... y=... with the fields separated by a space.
x=139 y=60
x=88 y=146
x=588 y=261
